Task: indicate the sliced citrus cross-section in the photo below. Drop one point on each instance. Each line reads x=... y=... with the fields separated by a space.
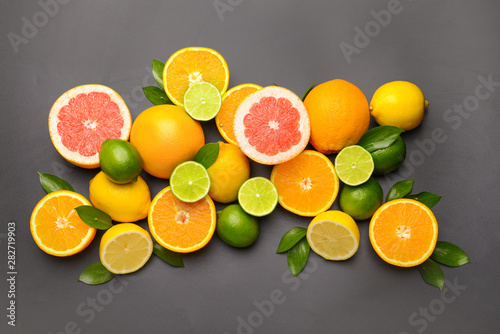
x=354 y=165
x=190 y=65
x=202 y=101
x=403 y=232
x=190 y=181
x=125 y=248
x=231 y=100
x=272 y=125
x=56 y=227
x=307 y=185
x=333 y=235
x=179 y=226
x=83 y=118
x=258 y=196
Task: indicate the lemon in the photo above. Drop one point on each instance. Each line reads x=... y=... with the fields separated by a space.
x=361 y=202
x=236 y=227
x=398 y=103
x=228 y=173
x=125 y=203
x=120 y=160
x=333 y=235
x=125 y=248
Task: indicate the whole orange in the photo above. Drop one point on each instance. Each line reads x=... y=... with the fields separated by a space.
x=165 y=136
x=339 y=115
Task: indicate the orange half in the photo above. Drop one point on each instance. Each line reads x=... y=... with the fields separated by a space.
x=403 y=232
x=191 y=65
x=179 y=226
x=231 y=100
x=56 y=227
x=307 y=184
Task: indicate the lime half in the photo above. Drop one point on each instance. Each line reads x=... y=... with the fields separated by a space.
x=202 y=101
x=258 y=196
x=354 y=165
x=189 y=181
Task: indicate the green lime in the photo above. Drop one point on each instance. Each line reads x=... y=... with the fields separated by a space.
x=258 y=196
x=390 y=158
x=354 y=165
x=120 y=161
x=361 y=202
x=236 y=227
x=190 y=181
x=202 y=101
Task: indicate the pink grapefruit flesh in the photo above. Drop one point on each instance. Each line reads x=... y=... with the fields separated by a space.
x=83 y=118
x=272 y=125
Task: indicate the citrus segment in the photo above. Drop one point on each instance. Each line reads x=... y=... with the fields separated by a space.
x=231 y=100
x=307 y=185
x=190 y=181
x=125 y=248
x=56 y=227
x=403 y=232
x=190 y=65
x=83 y=118
x=258 y=196
x=272 y=125
x=354 y=165
x=179 y=226
x=333 y=235
x=202 y=101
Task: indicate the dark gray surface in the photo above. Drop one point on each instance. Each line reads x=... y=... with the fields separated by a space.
x=445 y=47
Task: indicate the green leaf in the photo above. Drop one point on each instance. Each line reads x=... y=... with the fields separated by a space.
x=94 y=217
x=432 y=273
x=399 y=190
x=274 y=83
x=52 y=183
x=156 y=95
x=379 y=137
x=290 y=238
x=95 y=274
x=308 y=90
x=158 y=72
x=449 y=254
x=207 y=154
x=297 y=256
x=425 y=197
x=172 y=258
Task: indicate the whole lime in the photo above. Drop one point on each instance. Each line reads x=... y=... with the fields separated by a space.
x=120 y=161
x=390 y=158
x=361 y=202
x=236 y=227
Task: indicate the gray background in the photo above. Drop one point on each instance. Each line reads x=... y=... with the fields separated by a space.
x=445 y=47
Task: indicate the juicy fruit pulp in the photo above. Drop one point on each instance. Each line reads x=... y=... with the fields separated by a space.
x=202 y=101
x=272 y=125
x=56 y=227
x=122 y=202
x=403 y=232
x=190 y=65
x=258 y=196
x=159 y=133
x=333 y=235
x=236 y=227
x=231 y=100
x=83 y=118
x=125 y=248
x=190 y=181
x=339 y=115
x=120 y=161
x=354 y=165
x=307 y=184
x=179 y=226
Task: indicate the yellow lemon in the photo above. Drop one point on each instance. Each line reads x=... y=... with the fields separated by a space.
x=228 y=173
x=398 y=103
x=125 y=203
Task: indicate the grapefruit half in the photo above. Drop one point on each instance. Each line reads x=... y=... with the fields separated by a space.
x=83 y=118
x=271 y=125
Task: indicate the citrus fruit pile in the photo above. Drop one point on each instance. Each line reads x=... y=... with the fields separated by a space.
x=90 y=126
